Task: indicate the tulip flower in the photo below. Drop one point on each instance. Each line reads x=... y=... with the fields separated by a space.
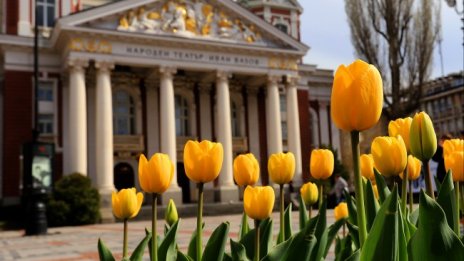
x=413 y=169
x=202 y=163
x=126 y=205
x=454 y=161
x=309 y=193
x=452 y=145
x=401 y=127
x=258 y=203
x=362 y=83
x=389 y=154
x=171 y=215
x=367 y=167
x=321 y=164
x=341 y=211
x=246 y=169
x=281 y=167
x=423 y=143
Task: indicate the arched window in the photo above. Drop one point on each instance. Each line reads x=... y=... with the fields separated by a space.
x=235 y=120
x=282 y=27
x=123 y=113
x=182 y=116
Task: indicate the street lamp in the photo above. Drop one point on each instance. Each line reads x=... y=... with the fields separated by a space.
x=453 y=4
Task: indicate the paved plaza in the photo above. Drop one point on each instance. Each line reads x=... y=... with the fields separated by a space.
x=80 y=242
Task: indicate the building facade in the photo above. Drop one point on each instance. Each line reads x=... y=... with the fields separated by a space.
x=122 y=78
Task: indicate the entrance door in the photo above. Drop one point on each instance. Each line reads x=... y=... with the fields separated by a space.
x=183 y=182
x=123 y=176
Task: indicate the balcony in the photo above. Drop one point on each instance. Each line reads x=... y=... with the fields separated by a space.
x=128 y=143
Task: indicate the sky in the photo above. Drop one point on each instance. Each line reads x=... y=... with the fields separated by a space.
x=324 y=28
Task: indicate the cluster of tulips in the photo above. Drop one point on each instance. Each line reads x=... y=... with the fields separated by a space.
x=380 y=225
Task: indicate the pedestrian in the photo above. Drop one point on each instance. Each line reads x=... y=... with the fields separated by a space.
x=338 y=188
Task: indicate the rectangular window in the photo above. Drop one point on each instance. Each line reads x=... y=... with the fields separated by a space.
x=46 y=123
x=45 y=92
x=45 y=13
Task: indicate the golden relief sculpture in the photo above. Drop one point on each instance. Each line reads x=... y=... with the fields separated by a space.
x=90 y=45
x=281 y=63
x=189 y=18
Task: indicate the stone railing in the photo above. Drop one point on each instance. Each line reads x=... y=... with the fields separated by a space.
x=128 y=143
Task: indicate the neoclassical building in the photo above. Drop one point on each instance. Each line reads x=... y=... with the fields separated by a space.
x=122 y=78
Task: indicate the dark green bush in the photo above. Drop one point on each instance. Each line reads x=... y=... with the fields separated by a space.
x=74 y=202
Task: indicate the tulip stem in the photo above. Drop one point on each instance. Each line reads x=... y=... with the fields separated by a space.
x=410 y=197
x=309 y=212
x=358 y=188
x=321 y=187
x=154 y=238
x=256 y=257
x=282 y=226
x=457 y=229
x=199 y=220
x=124 y=245
x=428 y=179
x=404 y=192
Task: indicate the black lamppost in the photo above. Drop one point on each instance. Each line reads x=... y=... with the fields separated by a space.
x=453 y=4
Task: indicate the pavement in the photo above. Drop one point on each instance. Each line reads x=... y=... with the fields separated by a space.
x=80 y=242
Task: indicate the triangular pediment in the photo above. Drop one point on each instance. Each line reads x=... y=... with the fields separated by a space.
x=209 y=20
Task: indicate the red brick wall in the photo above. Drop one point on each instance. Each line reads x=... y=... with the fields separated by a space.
x=12 y=16
x=17 y=116
x=280 y=11
x=305 y=131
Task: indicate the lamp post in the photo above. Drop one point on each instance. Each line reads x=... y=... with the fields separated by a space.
x=453 y=4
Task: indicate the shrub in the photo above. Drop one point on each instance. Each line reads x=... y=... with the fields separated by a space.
x=74 y=202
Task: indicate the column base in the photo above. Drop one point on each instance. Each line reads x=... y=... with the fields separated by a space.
x=106 y=209
x=174 y=193
x=226 y=194
x=209 y=192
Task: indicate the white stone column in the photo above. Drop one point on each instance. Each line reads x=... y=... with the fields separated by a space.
x=24 y=24
x=293 y=125
x=273 y=122
x=168 y=128
x=227 y=190
x=77 y=117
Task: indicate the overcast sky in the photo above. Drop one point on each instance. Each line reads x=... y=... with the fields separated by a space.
x=325 y=29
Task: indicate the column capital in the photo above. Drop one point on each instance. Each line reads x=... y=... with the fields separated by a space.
x=167 y=71
x=77 y=63
x=223 y=75
x=104 y=65
x=274 y=79
x=291 y=80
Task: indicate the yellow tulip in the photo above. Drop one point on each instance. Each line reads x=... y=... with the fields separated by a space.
x=203 y=160
x=155 y=176
x=389 y=155
x=357 y=96
x=309 y=193
x=246 y=169
x=281 y=167
x=455 y=162
x=376 y=191
x=171 y=215
x=126 y=203
x=414 y=168
x=341 y=211
x=367 y=167
x=422 y=137
x=401 y=127
x=258 y=202
x=321 y=164
x=452 y=145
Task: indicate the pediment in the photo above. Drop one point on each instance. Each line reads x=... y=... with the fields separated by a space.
x=209 y=20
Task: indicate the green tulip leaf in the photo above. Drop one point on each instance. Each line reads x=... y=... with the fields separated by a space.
x=244 y=227
x=344 y=248
x=355 y=256
x=227 y=257
x=288 y=222
x=183 y=257
x=333 y=230
x=447 y=200
x=265 y=238
x=303 y=213
x=354 y=232
x=352 y=210
x=370 y=204
x=437 y=182
x=386 y=240
x=238 y=251
x=158 y=240
x=137 y=255
x=192 y=248
x=214 y=249
x=434 y=240
x=320 y=232
x=103 y=252
x=168 y=247
x=382 y=188
x=414 y=217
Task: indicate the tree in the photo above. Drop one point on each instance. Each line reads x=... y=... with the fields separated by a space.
x=398 y=37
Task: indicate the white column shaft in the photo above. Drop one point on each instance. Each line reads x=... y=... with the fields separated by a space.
x=273 y=122
x=293 y=125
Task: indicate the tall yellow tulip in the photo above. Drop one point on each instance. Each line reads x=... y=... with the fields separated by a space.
x=390 y=156
x=203 y=160
x=401 y=127
x=155 y=176
x=414 y=168
x=126 y=203
x=422 y=137
x=281 y=167
x=321 y=164
x=452 y=145
x=258 y=202
x=367 y=167
x=309 y=193
x=246 y=169
x=341 y=211
x=362 y=83
x=455 y=162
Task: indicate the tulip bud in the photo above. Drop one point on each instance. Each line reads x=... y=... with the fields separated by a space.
x=258 y=202
x=401 y=127
x=171 y=215
x=390 y=156
x=341 y=211
x=414 y=168
x=155 y=176
x=203 y=160
x=367 y=167
x=281 y=167
x=422 y=137
x=362 y=83
x=126 y=203
x=454 y=161
x=246 y=169
x=309 y=193
x=321 y=164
